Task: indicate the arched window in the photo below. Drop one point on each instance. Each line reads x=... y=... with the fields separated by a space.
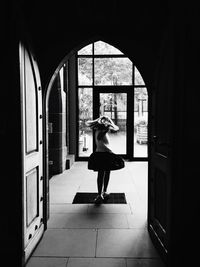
x=109 y=83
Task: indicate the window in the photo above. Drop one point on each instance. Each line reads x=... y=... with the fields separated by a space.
x=103 y=68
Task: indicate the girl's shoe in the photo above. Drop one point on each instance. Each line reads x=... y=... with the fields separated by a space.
x=105 y=196
x=98 y=200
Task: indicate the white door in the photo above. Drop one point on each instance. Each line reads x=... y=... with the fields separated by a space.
x=32 y=169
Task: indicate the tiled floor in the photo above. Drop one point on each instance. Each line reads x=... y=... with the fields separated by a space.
x=110 y=235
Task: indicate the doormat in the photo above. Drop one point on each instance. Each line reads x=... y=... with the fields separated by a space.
x=88 y=198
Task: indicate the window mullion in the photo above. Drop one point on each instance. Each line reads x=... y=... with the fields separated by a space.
x=93 y=65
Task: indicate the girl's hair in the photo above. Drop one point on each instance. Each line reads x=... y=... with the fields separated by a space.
x=102 y=123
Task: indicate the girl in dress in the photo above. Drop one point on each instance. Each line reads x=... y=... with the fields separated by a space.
x=103 y=160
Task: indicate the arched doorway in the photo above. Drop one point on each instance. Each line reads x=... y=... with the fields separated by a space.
x=94 y=80
x=65 y=79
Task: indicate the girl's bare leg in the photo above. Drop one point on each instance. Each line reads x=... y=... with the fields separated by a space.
x=98 y=200
x=100 y=180
x=106 y=180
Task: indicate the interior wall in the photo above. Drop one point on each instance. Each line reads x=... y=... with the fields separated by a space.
x=10 y=164
x=134 y=29
x=72 y=98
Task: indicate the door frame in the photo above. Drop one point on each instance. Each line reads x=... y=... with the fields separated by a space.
x=128 y=90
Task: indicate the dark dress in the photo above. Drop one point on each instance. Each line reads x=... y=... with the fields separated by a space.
x=105 y=161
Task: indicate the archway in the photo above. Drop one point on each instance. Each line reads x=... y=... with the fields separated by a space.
x=74 y=81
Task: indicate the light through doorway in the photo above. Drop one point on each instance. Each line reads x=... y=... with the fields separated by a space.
x=109 y=83
x=114 y=105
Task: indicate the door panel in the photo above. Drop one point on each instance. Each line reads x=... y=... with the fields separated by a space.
x=159 y=203
x=32 y=195
x=160 y=161
x=31 y=99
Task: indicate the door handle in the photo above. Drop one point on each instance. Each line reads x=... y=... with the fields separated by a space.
x=156 y=142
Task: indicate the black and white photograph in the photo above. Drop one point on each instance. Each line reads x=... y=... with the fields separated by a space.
x=100 y=133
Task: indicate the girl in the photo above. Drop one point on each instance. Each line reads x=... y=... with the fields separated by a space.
x=103 y=160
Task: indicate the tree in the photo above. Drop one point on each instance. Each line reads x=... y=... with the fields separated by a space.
x=85 y=106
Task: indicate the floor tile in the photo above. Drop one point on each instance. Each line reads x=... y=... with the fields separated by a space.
x=88 y=220
x=110 y=208
x=118 y=230
x=133 y=195
x=87 y=188
x=65 y=181
x=67 y=242
x=144 y=263
x=47 y=262
x=60 y=189
x=124 y=243
x=120 y=188
x=61 y=197
x=68 y=208
x=137 y=220
x=96 y=262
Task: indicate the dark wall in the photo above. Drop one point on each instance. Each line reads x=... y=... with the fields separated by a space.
x=59 y=28
x=137 y=29
x=186 y=159
x=10 y=140
x=72 y=106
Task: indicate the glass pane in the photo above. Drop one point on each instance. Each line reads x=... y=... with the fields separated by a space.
x=31 y=107
x=102 y=48
x=140 y=122
x=114 y=105
x=112 y=71
x=85 y=114
x=84 y=71
x=87 y=50
x=138 y=78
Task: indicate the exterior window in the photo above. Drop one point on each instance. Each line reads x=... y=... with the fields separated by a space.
x=85 y=101
x=109 y=79
x=112 y=71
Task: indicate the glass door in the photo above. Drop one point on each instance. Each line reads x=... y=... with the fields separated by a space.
x=114 y=103
x=127 y=108
x=103 y=101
